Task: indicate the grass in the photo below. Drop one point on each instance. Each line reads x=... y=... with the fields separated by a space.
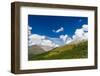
x=73 y=51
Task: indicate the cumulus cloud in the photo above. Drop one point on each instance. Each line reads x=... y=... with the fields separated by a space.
x=81 y=33
x=29 y=30
x=59 y=30
x=69 y=39
x=46 y=42
x=66 y=38
x=63 y=37
x=35 y=39
x=85 y=28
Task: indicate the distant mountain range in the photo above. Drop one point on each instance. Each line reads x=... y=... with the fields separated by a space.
x=38 y=49
x=35 y=49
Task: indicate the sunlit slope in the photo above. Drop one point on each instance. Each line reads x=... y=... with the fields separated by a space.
x=71 y=51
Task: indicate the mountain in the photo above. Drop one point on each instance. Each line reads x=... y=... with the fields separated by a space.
x=71 y=51
x=35 y=49
x=38 y=49
x=46 y=48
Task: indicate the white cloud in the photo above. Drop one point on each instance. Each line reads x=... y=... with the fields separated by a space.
x=35 y=39
x=66 y=38
x=86 y=35
x=81 y=33
x=59 y=30
x=69 y=39
x=29 y=30
x=85 y=28
x=46 y=42
x=63 y=37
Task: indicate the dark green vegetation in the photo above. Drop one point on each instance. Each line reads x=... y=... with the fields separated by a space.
x=71 y=51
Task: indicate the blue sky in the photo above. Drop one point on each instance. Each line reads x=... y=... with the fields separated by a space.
x=54 y=26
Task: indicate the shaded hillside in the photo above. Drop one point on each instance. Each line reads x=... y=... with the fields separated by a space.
x=72 y=51
x=33 y=50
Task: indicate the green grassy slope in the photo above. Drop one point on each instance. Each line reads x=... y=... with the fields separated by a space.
x=73 y=51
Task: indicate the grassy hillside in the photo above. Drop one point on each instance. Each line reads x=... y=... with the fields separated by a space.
x=72 y=51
